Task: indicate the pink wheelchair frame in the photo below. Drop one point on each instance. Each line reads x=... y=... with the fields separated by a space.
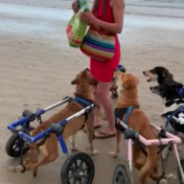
x=170 y=138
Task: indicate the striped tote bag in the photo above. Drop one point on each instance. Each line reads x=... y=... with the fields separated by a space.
x=98 y=46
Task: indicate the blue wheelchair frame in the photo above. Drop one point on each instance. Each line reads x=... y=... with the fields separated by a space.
x=26 y=121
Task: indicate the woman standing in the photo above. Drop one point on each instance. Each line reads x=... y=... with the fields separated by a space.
x=106 y=17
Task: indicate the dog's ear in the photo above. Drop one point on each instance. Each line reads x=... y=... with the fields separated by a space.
x=75 y=81
x=126 y=85
x=165 y=73
x=136 y=80
x=87 y=69
x=93 y=81
x=129 y=81
x=126 y=81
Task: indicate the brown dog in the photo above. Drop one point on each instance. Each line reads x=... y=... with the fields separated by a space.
x=49 y=147
x=147 y=165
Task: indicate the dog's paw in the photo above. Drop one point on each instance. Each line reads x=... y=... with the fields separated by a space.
x=163 y=181
x=16 y=169
x=113 y=154
x=94 y=152
x=171 y=176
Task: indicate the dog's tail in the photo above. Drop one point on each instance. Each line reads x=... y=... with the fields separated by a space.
x=150 y=165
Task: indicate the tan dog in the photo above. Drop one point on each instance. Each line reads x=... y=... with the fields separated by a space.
x=137 y=121
x=48 y=147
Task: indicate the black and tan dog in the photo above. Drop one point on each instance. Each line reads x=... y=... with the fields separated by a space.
x=49 y=149
x=159 y=74
x=168 y=89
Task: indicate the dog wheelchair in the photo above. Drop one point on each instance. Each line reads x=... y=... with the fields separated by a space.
x=73 y=165
x=166 y=141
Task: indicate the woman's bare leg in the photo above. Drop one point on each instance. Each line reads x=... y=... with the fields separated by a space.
x=102 y=98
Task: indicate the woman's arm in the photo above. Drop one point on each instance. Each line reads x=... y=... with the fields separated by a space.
x=118 y=12
x=94 y=25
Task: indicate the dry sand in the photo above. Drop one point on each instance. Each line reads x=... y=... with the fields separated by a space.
x=37 y=65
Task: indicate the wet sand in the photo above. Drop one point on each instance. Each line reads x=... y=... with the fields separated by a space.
x=37 y=65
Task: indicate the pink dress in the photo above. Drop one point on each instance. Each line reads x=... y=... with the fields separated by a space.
x=103 y=71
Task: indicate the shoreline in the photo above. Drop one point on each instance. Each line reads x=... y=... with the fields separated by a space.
x=142 y=8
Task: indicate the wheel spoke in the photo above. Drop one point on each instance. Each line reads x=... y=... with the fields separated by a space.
x=73 y=175
x=85 y=169
x=72 y=167
x=80 y=164
x=73 y=170
x=75 y=180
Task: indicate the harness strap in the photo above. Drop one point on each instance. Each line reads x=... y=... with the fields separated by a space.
x=129 y=110
x=173 y=114
x=84 y=103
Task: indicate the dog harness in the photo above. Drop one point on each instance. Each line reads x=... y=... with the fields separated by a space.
x=119 y=113
x=84 y=102
x=169 y=117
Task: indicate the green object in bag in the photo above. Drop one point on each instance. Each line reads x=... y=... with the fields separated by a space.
x=76 y=28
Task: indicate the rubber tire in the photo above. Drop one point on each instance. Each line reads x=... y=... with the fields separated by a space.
x=178 y=170
x=69 y=161
x=10 y=144
x=125 y=172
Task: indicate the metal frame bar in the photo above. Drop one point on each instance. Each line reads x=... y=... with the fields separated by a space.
x=48 y=130
x=13 y=125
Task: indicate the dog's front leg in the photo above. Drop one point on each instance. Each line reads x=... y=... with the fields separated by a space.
x=73 y=145
x=115 y=153
x=90 y=141
x=90 y=133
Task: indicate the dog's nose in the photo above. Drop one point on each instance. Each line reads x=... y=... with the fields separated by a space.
x=151 y=88
x=143 y=72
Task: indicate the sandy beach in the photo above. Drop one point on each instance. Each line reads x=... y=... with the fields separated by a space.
x=37 y=65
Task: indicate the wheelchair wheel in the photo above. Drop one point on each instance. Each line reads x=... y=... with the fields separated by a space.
x=179 y=172
x=122 y=175
x=78 y=168
x=13 y=146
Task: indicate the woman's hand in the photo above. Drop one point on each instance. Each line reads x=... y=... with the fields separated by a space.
x=75 y=7
x=88 y=17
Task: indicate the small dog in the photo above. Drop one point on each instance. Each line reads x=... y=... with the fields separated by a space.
x=159 y=74
x=163 y=77
x=49 y=147
x=114 y=87
x=147 y=165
